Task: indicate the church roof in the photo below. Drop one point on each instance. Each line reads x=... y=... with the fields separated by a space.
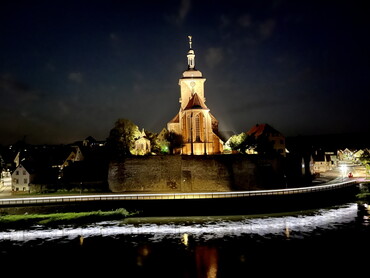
x=195 y=103
x=175 y=119
x=192 y=73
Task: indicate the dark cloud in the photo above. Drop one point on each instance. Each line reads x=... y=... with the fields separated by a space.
x=13 y=91
x=69 y=70
x=181 y=13
x=75 y=77
x=214 y=56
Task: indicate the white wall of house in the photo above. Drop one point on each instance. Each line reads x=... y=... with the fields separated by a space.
x=321 y=166
x=20 y=179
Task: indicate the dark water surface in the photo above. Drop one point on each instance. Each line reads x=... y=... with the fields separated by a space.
x=321 y=242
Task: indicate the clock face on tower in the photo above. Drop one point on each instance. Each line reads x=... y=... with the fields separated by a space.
x=192 y=84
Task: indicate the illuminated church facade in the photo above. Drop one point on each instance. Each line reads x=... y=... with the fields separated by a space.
x=194 y=121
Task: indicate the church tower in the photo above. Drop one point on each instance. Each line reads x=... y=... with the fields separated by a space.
x=194 y=121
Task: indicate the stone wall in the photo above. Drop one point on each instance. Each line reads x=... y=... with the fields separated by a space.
x=175 y=173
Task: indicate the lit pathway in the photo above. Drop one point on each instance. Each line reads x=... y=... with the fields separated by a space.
x=173 y=196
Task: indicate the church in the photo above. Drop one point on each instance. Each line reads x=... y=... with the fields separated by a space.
x=196 y=124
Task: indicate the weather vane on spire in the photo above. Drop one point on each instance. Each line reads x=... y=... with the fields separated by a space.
x=190 y=42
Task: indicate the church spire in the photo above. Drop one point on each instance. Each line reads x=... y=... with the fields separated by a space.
x=190 y=42
x=191 y=55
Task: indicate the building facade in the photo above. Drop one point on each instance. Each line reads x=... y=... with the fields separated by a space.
x=5 y=179
x=142 y=144
x=21 y=179
x=273 y=136
x=196 y=124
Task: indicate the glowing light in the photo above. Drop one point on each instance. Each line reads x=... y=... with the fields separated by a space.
x=343 y=169
x=185 y=239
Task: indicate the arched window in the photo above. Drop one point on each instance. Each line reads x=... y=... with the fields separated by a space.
x=184 y=130
x=197 y=128
x=188 y=128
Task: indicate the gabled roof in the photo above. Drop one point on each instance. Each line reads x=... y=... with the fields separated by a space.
x=175 y=119
x=90 y=139
x=260 y=129
x=195 y=103
x=27 y=165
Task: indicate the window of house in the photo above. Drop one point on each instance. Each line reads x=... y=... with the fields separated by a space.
x=24 y=173
x=25 y=181
x=17 y=173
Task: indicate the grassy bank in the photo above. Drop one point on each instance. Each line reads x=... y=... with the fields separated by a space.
x=24 y=220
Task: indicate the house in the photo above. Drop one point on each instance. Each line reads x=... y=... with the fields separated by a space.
x=322 y=162
x=75 y=155
x=91 y=142
x=266 y=132
x=61 y=157
x=346 y=155
x=142 y=144
x=5 y=179
x=21 y=178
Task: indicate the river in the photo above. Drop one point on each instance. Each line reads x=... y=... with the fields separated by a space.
x=333 y=239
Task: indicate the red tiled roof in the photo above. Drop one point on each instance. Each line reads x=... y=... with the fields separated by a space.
x=260 y=129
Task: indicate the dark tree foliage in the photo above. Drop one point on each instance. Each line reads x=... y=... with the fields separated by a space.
x=265 y=146
x=121 y=139
x=237 y=142
x=176 y=141
x=261 y=144
x=152 y=136
x=365 y=157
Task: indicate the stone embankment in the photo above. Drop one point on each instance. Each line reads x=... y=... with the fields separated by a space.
x=194 y=174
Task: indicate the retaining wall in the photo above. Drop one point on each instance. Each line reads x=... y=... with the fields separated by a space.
x=192 y=173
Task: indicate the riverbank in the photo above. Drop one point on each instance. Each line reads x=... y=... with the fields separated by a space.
x=52 y=219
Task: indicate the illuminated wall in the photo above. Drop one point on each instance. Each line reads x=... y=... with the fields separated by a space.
x=175 y=173
x=194 y=120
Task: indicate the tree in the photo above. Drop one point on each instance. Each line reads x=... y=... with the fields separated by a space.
x=236 y=141
x=175 y=141
x=121 y=140
x=365 y=160
x=155 y=146
x=264 y=146
x=243 y=142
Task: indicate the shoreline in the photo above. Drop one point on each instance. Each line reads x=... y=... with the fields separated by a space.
x=20 y=221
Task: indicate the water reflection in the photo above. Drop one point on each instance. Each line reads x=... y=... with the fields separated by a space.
x=200 y=228
x=206 y=258
x=227 y=246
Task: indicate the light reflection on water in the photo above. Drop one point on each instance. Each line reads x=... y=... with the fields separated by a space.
x=328 y=240
x=200 y=228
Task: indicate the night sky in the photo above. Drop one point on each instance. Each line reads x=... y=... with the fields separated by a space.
x=70 y=69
